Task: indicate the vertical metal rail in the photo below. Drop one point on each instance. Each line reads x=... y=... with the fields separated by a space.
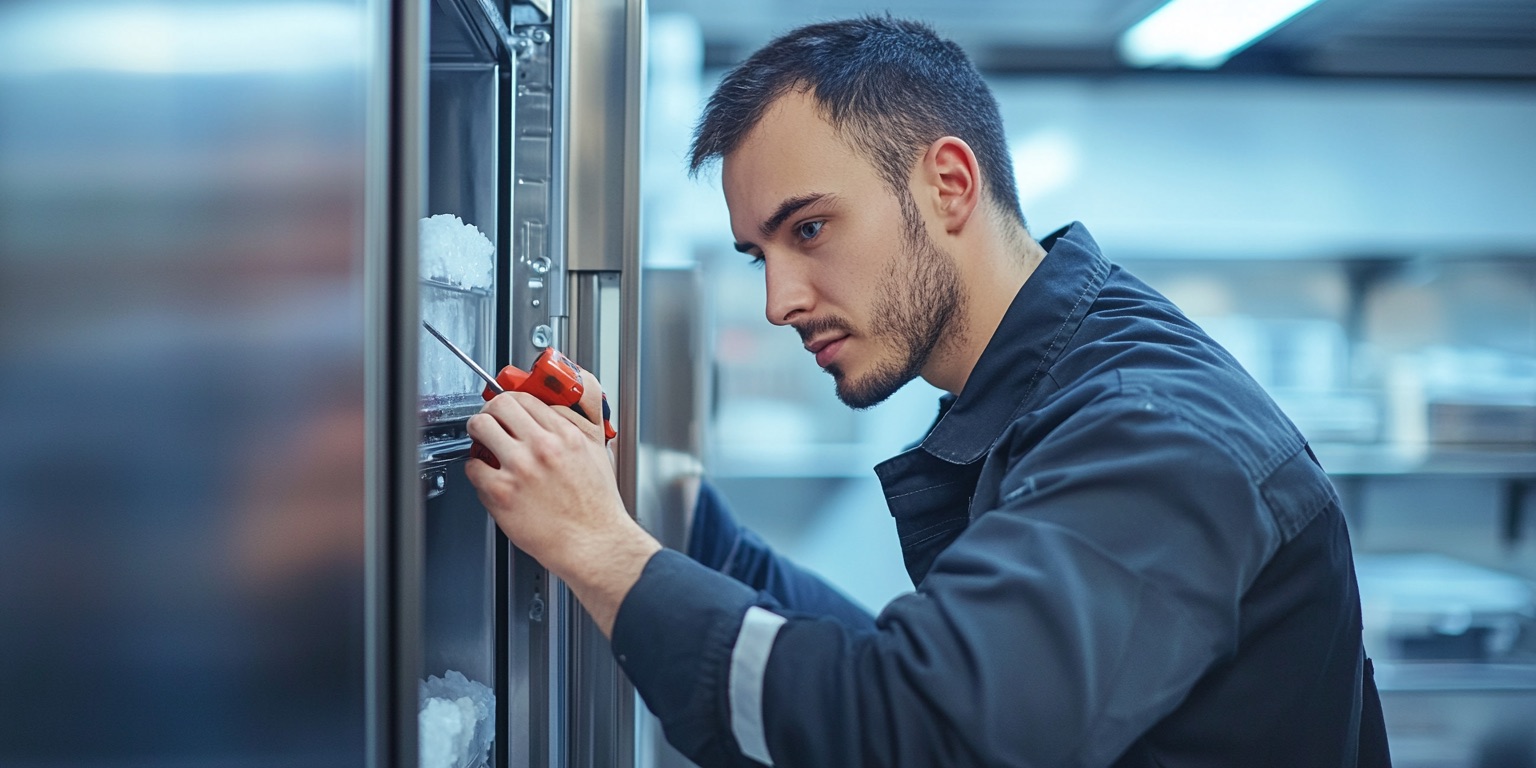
x=396 y=190
x=602 y=714
x=603 y=75
x=535 y=288
x=513 y=702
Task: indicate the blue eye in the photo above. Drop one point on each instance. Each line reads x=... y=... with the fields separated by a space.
x=809 y=230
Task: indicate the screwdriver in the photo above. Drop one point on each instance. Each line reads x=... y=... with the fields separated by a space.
x=553 y=379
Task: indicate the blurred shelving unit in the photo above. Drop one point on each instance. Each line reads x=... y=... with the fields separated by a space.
x=1370 y=460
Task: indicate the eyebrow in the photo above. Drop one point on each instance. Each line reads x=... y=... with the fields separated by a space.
x=785 y=210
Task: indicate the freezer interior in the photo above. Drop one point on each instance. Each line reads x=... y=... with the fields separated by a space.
x=458 y=250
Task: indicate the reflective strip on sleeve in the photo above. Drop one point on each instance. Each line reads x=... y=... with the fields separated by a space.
x=749 y=661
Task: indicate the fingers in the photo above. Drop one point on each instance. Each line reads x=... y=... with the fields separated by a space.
x=492 y=444
x=498 y=426
x=592 y=397
x=523 y=415
x=512 y=418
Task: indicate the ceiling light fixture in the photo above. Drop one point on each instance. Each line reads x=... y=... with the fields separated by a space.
x=1203 y=34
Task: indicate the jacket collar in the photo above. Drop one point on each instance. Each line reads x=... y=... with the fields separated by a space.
x=1036 y=328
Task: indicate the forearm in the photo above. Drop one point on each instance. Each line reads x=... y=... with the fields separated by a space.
x=602 y=569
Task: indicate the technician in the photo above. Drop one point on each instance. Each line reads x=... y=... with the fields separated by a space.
x=1124 y=553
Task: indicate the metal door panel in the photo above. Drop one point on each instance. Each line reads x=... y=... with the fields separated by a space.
x=183 y=347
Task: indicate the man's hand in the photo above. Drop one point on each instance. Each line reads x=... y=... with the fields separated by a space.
x=556 y=498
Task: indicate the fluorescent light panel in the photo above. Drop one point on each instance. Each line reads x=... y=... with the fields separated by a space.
x=159 y=38
x=1203 y=33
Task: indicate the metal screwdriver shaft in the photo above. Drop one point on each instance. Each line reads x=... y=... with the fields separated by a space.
x=466 y=358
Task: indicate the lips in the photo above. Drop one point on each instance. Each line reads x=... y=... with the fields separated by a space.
x=826 y=349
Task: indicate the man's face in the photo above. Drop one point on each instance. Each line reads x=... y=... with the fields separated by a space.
x=856 y=275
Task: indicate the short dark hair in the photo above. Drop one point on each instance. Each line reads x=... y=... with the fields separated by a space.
x=891 y=86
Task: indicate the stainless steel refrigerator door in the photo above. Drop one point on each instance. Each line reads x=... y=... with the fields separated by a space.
x=184 y=474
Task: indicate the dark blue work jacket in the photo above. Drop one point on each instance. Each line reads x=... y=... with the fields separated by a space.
x=1124 y=555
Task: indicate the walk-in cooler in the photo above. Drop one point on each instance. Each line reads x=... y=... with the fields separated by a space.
x=235 y=528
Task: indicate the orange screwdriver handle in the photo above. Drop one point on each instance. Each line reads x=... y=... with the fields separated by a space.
x=554 y=379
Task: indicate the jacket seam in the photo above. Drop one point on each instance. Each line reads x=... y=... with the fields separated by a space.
x=936 y=534
x=921 y=490
x=940 y=524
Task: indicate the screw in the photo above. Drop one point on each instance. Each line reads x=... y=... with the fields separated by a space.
x=543 y=336
x=536 y=610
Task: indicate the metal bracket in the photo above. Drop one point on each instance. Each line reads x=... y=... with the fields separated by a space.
x=538 y=276
x=434 y=482
x=531 y=12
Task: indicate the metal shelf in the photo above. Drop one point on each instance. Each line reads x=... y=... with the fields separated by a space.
x=1402 y=676
x=1371 y=459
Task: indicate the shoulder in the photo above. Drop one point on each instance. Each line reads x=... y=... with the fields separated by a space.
x=1220 y=407
x=1136 y=350
x=1113 y=413
x=1196 y=440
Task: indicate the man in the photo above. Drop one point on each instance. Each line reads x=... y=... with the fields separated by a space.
x=1124 y=554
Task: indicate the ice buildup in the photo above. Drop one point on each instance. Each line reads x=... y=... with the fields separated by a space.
x=456 y=721
x=458 y=270
x=455 y=253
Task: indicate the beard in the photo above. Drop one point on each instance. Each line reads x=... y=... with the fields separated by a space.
x=918 y=304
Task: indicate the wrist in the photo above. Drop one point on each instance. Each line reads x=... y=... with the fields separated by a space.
x=604 y=567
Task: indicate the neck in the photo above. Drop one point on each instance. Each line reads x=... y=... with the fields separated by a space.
x=994 y=264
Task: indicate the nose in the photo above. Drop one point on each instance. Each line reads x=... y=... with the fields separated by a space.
x=789 y=291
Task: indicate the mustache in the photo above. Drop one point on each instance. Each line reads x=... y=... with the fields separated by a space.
x=813 y=328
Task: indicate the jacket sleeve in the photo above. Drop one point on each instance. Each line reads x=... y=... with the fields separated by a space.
x=719 y=542
x=1057 y=628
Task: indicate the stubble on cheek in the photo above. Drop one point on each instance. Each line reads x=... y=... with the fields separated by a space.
x=919 y=305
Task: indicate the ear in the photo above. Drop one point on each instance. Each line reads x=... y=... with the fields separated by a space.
x=951 y=179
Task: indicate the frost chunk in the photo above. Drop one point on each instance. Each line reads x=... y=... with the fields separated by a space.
x=456 y=722
x=455 y=252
